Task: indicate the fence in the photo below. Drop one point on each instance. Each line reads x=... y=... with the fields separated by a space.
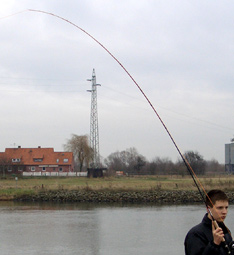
x=59 y=174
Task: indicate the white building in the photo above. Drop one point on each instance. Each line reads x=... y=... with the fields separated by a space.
x=229 y=158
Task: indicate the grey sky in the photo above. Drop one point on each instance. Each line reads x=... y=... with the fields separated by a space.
x=179 y=52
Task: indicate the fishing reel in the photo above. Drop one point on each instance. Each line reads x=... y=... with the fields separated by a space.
x=231 y=246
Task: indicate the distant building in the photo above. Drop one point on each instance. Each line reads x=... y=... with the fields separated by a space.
x=19 y=160
x=229 y=158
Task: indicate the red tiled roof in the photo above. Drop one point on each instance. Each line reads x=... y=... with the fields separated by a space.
x=27 y=156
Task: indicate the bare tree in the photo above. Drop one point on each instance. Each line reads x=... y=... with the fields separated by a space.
x=128 y=161
x=161 y=166
x=4 y=164
x=213 y=166
x=115 y=162
x=82 y=152
x=139 y=164
x=196 y=161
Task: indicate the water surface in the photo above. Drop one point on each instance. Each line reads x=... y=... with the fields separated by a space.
x=47 y=229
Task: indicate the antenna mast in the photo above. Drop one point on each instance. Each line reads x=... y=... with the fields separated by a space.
x=94 y=134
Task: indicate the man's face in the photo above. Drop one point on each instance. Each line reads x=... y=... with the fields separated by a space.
x=219 y=210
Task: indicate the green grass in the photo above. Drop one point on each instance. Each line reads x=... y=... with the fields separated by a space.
x=9 y=188
x=11 y=193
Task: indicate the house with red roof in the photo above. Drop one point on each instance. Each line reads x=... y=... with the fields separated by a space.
x=44 y=160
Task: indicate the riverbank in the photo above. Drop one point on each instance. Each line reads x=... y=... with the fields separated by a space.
x=82 y=196
x=156 y=197
x=148 y=189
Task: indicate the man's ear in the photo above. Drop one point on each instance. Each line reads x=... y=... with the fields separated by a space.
x=208 y=208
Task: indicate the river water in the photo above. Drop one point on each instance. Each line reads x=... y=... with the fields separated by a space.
x=71 y=229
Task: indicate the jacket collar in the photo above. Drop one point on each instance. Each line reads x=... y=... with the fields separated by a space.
x=208 y=222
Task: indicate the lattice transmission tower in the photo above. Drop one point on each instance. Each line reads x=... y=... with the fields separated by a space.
x=94 y=134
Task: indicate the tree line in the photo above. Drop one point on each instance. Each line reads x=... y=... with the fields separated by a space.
x=130 y=162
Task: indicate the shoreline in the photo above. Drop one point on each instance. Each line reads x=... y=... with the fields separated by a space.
x=110 y=196
x=147 y=189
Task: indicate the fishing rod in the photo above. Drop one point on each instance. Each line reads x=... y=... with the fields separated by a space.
x=196 y=180
x=189 y=168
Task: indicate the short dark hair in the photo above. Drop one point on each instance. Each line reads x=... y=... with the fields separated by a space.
x=215 y=195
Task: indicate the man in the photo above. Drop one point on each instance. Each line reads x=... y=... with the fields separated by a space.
x=207 y=238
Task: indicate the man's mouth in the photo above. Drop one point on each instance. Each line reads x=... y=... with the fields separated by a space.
x=222 y=218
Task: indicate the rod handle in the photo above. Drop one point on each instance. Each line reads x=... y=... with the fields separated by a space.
x=217 y=226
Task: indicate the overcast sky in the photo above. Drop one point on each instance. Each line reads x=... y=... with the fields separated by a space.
x=181 y=53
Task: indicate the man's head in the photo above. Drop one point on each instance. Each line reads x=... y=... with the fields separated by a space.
x=217 y=203
x=215 y=195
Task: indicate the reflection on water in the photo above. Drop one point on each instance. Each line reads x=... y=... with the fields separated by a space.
x=53 y=228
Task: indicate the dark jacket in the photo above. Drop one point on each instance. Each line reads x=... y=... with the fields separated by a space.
x=199 y=240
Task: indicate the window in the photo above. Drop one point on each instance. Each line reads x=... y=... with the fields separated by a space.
x=57 y=160
x=37 y=159
x=20 y=168
x=33 y=168
x=43 y=168
x=60 y=169
x=65 y=160
x=14 y=160
x=9 y=169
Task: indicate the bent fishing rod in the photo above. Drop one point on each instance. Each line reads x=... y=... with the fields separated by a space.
x=189 y=168
x=196 y=180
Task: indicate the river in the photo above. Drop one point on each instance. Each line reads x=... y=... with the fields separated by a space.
x=71 y=229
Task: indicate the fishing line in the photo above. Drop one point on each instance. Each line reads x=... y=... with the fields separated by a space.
x=196 y=180
x=4 y=17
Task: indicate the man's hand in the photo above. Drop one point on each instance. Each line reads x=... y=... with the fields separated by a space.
x=218 y=234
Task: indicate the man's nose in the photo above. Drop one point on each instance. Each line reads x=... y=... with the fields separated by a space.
x=224 y=211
